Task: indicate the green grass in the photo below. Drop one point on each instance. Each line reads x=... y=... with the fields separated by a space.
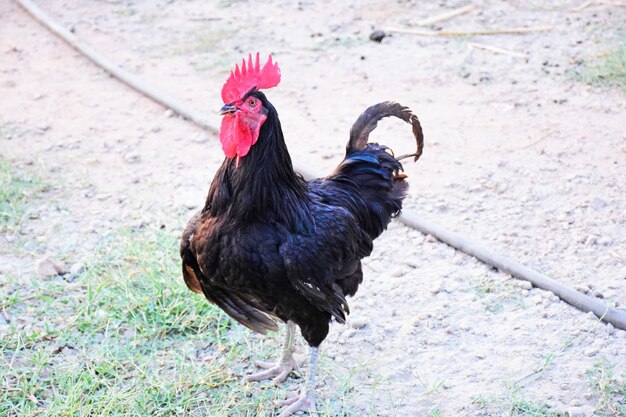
x=127 y=338
x=610 y=392
x=17 y=189
x=606 y=70
x=513 y=403
x=497 y=296
x=129 y=335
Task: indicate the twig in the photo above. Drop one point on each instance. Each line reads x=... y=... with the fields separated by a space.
x=582 y=6
x=446 y=16
x=508 y=31
x=579 y=300
x=496 y=50
x=587 y=4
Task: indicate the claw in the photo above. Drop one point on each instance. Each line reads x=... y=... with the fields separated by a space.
x=303 y=402
x=279 y=371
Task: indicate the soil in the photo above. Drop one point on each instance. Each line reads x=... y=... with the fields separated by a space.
x=518 y=155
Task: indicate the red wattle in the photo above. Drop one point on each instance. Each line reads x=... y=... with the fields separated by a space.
x=236 y=136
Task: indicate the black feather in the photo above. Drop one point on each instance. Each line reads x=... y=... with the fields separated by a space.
x=269 y=244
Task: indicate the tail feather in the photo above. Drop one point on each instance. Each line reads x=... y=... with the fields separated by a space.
x=367 y=122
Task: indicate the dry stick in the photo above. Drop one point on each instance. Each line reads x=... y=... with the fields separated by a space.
x=496 y=50
x=598 y=3
x=578 y=300
x=446 y=16
x=509 y=31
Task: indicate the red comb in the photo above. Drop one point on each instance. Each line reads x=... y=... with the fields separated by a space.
x=250 y=76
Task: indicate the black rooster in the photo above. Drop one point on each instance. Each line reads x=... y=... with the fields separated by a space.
x=269 y=245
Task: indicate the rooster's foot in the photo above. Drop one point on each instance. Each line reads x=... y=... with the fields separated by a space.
x=278 y=371
x=303 y=402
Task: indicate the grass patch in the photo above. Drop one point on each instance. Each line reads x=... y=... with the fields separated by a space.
x=127 y=338
x=607 y=70
x=610 y=392
x=514 y=404
x=497 y=296
x=17 y=188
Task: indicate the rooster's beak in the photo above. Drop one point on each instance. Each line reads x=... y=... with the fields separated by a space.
x=228 y=108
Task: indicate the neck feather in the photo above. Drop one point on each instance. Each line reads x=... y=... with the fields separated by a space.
x=262 y=186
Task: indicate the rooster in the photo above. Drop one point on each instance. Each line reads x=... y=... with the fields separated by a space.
x=270 y=246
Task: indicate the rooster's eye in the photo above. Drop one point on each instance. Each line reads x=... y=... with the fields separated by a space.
x=252 y=102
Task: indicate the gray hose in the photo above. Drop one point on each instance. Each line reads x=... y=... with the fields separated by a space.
x=579 y=300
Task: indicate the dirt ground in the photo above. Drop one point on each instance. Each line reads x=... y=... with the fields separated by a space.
x=519 y=154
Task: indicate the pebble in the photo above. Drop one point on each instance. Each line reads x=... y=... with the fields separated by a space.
x=47 y=267
x=200 y=138
x=31 y=245
x=610 y=329
x=358 y=323
x=190 y=204
x=582 y=288
x=77 y=268
x=578 y=412
x=132 y=157
x=398 y=273
x=378 y=36
x=169 y=113
x=593 y=349
x=597 y=203
x=605 y=241
x=438 y=287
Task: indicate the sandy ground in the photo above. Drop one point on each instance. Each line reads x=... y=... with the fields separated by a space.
x=518 y=155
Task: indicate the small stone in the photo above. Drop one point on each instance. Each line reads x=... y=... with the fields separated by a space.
x=597 y=203
x=358 y=323
x=582 y=288
x=610 y=329
x=378 y=36
x=132 y=156
x=40 y=130
x=591 y=351
x=397 y=273
x=605 y=241
x=47 y=267
x=169 y=113
x=431 y=239
x=577 y=412
x=452 y=329
x=200 y=138
x=31 y=246
x=77 y=268
x=525 y=285
x=190 y=204
x=437 y=288
x=575 y=403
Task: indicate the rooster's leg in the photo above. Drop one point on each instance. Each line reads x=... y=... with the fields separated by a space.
x=306 y=400
x=279 y=371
